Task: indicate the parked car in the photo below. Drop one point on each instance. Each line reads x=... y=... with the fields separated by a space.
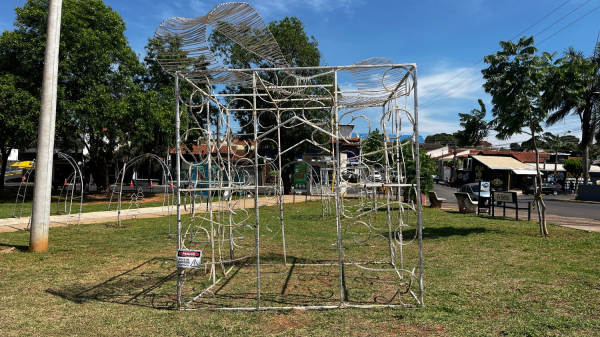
x=547 y=188
x=376 y=177
x=473 y=190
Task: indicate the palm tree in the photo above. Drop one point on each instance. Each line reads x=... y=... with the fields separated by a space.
x=573 y=90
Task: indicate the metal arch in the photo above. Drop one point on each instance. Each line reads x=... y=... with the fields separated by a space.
x=74 y=178
x=23 y=186
x=168 y=195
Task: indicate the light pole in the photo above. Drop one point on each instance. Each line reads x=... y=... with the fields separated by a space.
x=40 y=215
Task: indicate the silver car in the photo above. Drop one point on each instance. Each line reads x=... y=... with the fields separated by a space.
x=473 y=190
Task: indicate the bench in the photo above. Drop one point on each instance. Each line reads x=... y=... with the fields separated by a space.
x=434 y=200
x=465 y=203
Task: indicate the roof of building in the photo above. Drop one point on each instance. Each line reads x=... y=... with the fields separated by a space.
x=523 y=157
x=501 y=163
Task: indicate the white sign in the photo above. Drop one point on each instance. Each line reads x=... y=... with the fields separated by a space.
x=189 y=259
x=484 y=186
x=504 y=196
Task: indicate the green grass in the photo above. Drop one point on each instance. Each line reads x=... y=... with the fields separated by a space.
x=483 y=276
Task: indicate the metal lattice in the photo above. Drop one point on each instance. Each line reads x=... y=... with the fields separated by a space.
x=376 y=231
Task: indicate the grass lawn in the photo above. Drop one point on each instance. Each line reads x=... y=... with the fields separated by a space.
x=483 y=276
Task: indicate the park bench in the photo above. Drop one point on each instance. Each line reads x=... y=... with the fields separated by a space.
x=434 y=200
x=465 y=203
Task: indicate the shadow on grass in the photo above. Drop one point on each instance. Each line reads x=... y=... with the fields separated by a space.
x=438 y=232
x=20 y=248
x=145 y=285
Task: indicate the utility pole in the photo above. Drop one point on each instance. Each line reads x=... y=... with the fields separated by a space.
x=40 y=216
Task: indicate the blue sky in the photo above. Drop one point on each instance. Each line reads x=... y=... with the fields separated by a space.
x=445 y=39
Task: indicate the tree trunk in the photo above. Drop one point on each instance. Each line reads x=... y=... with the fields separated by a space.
x=287 y=182
x=538 y=188
x=4 y=153
x=585 y=159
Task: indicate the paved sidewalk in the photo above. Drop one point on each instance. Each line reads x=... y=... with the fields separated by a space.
x=14 y=224
x=588 y=225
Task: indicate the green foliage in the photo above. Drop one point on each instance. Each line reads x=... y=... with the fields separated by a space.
x=573 y=90
x=515 y=147
x=428 y=168
x=19 y=112
x=372 y=148
x=101 y=102
x=574 y=167
x=516 y=79
x=441 y=138
x=475 y=128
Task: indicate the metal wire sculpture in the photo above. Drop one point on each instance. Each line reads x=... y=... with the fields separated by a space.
x=137 y=193
x=67 y=194
x=374 y=230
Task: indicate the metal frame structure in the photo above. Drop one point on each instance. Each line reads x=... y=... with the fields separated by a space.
x=230 y=235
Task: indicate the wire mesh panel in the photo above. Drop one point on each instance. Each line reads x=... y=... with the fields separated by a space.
x=352 y=238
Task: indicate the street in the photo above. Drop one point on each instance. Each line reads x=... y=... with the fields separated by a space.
x=555 y=205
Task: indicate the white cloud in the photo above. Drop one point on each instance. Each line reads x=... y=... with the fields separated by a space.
x=461 y=83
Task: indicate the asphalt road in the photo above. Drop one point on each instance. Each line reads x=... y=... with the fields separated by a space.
x=562 y=205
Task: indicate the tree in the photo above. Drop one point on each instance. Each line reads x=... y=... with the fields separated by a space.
x=441 y=138
x=576 y=168
x=516 y=79
x=19 y=112
x=515 y=147
x=574 y=90
x=428 y=169
x=299 y=50
x=372 y=148
x=475 y=128
x=100 y=103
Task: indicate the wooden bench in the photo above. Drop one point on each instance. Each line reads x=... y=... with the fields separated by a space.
x=434 y=200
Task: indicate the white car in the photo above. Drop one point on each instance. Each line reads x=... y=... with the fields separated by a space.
x=376 y=177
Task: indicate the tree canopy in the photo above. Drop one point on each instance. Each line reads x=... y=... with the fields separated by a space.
x=516 y=78
x=442 y=138
x=573 y=89
x=19 y=112
x=101 y=102
x=475 y=127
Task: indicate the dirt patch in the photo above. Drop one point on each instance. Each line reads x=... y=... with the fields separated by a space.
x=104 y=198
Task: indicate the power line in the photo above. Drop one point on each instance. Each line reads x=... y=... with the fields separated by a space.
x=567 y=26
x=476 y=63
x=442 y=93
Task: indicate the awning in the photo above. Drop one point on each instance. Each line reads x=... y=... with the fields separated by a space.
x=525 y=172
x=23 y=164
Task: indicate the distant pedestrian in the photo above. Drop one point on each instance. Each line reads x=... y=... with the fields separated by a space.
x=571 y=188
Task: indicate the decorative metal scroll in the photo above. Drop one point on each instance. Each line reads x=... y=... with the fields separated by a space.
x=233 y=147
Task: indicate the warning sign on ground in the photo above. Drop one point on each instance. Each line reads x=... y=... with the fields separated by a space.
x=189 y=258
